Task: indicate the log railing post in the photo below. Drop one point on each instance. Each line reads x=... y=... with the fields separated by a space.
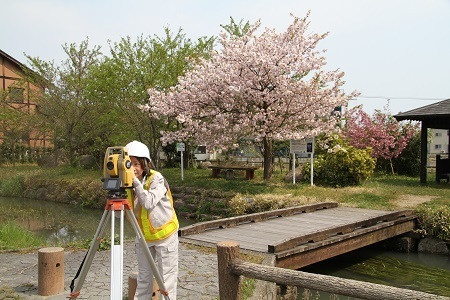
x=229 y=283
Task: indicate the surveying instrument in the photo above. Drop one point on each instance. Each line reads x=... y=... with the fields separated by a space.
x=117 y=177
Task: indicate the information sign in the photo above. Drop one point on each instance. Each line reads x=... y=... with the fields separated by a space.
x=302 y=146
x=180 y=147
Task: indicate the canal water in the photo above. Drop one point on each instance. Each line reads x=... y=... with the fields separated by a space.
x=61 y=224
x=415 y=271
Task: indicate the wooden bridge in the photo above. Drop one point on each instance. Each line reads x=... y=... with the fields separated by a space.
x=303 y=235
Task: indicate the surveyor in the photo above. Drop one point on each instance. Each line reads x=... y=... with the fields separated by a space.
x=152 y=204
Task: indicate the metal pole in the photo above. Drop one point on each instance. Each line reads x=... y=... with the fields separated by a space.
x=293 y=168
x=182 y=163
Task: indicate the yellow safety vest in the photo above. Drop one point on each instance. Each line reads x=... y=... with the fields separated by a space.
x=150 y=232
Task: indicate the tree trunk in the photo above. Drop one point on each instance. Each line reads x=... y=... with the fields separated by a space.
x=268 y=165
x=392 y=166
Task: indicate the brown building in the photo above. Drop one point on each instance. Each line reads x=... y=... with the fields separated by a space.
x=17 y=124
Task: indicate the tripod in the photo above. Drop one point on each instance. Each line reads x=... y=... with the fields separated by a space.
x=115 y=205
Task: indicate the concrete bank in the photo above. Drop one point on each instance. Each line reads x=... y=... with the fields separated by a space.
x=19 y=274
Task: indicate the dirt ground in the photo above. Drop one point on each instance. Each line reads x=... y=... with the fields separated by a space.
x=411 y=201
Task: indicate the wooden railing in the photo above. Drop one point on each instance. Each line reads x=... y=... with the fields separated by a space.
x=230 y=268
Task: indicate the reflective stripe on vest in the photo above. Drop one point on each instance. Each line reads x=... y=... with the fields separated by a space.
x=143 y=216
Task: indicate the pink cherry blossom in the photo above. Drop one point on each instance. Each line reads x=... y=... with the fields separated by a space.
x=266 y=87
x=382 y=132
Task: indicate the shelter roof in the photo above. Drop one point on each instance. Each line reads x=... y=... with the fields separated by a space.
x=436 y=110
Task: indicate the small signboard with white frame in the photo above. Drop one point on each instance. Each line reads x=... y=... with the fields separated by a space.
x=303 y=148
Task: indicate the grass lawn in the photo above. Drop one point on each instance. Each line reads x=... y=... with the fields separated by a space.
x=379 y=192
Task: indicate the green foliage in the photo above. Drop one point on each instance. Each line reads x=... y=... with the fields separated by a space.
x=238 y=205
x=13 y=237
x=12 y=187
x=92 y=99
x=248 y=286
x=434 y=221
x=246 y=204
x=235 y=29
x=262 y=204
x=342 y=165
x=119 y=85
x=408 y=162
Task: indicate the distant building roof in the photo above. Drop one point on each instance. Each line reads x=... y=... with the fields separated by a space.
x=13 y=60
x=440 y=110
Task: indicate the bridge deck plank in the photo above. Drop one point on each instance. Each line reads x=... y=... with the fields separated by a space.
x=277 y=232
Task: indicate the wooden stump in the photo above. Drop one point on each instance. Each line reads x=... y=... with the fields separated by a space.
x=50 y=271
x=229 y=287
x=132 y=285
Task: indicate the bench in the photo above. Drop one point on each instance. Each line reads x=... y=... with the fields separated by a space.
x=249 y=171
x=442 y=169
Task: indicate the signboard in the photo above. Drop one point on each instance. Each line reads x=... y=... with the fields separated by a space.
x=180 y=147
x=302 y=146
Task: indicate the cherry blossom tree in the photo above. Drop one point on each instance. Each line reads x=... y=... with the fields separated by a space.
x=263 y=87
x=382 y=132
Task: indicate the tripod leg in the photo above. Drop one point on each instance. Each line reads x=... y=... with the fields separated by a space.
x=86 y=264
x=116 y=259
x=149 y=256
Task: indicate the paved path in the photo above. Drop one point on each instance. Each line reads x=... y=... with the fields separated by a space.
x=18 y=274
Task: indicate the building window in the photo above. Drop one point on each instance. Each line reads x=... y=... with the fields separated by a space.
x=16 y=95
x=437 y=147
x=438 y=134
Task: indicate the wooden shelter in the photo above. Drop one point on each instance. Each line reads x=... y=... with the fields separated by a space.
x=437 y=116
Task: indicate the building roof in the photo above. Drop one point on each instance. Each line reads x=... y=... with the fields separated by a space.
x=14 y=61
x=438 y=110
x=2 y=53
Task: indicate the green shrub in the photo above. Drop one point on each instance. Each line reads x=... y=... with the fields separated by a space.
x=12 y=187
x=341 y=165
x=247 y=204
x=434 y=221
x=408 y=162
x=238 y=205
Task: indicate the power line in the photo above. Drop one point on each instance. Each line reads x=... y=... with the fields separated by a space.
x=402 y=98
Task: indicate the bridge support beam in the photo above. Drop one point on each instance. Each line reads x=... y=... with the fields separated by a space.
x=309 y=254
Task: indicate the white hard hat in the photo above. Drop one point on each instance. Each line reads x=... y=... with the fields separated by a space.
x=138 y=149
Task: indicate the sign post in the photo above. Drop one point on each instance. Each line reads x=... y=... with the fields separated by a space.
x=302 y=147
x=295 y=147
x=180 y=148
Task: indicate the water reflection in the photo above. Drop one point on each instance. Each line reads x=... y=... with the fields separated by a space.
x=59 y=223
x=414 y=271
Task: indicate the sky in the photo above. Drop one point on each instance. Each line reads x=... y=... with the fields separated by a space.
x=394 y=52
